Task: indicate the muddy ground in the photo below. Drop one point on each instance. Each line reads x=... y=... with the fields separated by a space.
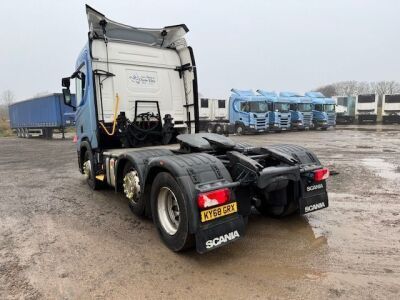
x=60 y=240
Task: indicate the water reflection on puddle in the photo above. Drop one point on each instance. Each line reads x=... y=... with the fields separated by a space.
x=382 y=168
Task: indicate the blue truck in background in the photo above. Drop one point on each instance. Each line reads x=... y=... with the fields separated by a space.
x=279 y=111
x=248 y=112
x=324 y=114
x=41 y=115
x=301 y=110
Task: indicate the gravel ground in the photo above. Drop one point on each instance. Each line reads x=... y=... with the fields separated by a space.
x=60 y=240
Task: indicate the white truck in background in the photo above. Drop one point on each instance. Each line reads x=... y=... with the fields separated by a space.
x=366 y=109
x=391 y=109
x=213 y=113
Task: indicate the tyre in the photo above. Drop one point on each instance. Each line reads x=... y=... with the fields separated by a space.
x=132 y=190
x=169 y=210
x=210 y=128
x=280 y=211
x=218 y=129
x=88 y=167
x=239 y=129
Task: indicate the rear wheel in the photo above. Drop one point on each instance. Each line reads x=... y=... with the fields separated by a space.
x=210 y=128
x=132 y=190
x=266 y=208
x=218 y=129
x=169 y=210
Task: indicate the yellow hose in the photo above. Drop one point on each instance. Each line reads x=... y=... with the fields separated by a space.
x=115 y=118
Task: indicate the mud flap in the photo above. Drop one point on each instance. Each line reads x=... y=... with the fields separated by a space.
x=314 y=198
x=221 y=234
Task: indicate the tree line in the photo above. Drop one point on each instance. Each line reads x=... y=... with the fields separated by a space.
x=354 y=88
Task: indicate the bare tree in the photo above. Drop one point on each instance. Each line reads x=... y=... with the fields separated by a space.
x=385 y=87
x=328 y=90
x=7 y=97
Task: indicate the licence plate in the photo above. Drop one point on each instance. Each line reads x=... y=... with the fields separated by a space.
x=217 y=212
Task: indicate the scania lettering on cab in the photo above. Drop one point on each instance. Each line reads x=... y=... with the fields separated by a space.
x=367 y=108
x=301 y=108
x=279 y=111
x=391 y=109
x=324 y=115
x=136 y=94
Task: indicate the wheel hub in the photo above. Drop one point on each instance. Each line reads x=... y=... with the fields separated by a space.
x=131 y=186
x=87 y=168
x=168 y=210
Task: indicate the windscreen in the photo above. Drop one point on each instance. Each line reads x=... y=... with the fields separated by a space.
x=304 y=107
x=329 y=107
x=258 y=106
x=392 y=99
x=319 y=107
x=282 y=107
x=366 y=98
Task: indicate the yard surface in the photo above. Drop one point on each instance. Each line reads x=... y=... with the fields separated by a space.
x=60 y=240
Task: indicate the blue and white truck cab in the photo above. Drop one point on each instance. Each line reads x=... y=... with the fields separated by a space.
x=279 y=115
x=248 y=112
x=136 y=91
x=301 y=108
x=324 y=114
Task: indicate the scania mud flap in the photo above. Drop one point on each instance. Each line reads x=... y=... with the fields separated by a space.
x=314 y=197
x=215 y=236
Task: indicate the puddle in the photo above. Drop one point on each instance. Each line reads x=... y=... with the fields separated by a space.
x=382 y=168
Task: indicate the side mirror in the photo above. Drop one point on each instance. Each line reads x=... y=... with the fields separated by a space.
x=66 y=82
x=67 y=97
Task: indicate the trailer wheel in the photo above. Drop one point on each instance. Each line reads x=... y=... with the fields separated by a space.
x=210 y=128
x=132 y=190
x=89 y=171
x=218 y=129
x=169 y=210
x=239 y=129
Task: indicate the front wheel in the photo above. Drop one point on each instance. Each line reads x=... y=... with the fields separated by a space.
x=89 y=171
x=239 y=130
x=169 y=210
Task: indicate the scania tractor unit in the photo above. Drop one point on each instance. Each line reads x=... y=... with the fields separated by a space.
x=279 y=111
x=324 y=115
x=345 y=109
x=137 y=132
x=301 y=110
x=391 y=109
x=367 y=108
x=248 y=112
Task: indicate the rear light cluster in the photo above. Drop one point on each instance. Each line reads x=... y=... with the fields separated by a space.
x=321 y=174
x=213 y=198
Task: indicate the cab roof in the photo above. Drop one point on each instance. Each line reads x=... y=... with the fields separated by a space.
x=247 y=95
x=101 y=27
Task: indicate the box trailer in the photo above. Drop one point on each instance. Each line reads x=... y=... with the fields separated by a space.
x=391 y=109
x=213 y=115
x=345 y=109
x=366 y=108
x=41 y=115
x=200 y=192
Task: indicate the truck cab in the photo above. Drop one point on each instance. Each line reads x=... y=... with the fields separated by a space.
x=248 y=112
x=324 y=115
x=345 y=109
x=391 y=109
x=301 y=108
x=279 y=116
x=367 y=108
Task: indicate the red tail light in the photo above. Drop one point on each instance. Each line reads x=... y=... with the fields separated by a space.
x=321 y=174
x=213 y=198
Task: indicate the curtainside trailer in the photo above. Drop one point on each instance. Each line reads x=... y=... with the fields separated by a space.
x=41 y=115
x=136 y=94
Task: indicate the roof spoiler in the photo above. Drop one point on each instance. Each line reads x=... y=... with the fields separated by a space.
x=267 y=93
x=243 y=93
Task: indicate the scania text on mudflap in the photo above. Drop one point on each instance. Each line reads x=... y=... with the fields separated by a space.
x=136 y=94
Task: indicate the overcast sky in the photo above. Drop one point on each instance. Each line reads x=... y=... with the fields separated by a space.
x=274 y=45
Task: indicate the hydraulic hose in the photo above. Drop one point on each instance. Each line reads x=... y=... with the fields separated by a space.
x=116 y=107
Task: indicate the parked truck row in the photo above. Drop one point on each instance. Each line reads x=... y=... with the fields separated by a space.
x=264 y=111
x=136 y=92
x=365 y=109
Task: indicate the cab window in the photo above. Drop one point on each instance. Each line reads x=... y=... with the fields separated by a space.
x=80 y=84
x=244 y=106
